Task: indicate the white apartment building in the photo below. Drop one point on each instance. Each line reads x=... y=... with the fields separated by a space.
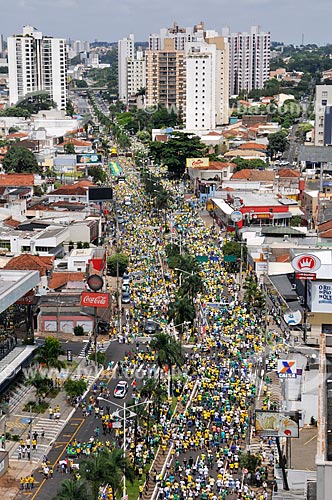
x=323 y=110
x=207 y=84
x=37 y=63
x=126 y=51
x=136 y=74
x=249 y=59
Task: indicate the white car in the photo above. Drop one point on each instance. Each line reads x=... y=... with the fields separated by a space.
x=121 y=389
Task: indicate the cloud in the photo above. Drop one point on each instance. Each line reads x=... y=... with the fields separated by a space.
x=46 y=4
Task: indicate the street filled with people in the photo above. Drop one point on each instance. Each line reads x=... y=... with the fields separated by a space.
x=201 y=422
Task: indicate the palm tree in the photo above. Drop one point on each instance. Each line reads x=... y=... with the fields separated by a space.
x=41 y=384
x=152 y=390
x=49 y=353
x=73 y=490
x=169 y=352
x=108 y=467
x=181 y=311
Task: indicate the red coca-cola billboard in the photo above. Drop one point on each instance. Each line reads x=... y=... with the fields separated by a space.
x=94 y=299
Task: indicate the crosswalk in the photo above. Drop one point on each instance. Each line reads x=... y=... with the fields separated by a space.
x=102 y=347
x=51 y=429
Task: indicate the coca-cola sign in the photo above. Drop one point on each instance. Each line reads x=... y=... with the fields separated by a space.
x=94 y=299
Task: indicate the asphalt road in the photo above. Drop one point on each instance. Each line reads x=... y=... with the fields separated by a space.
x=78 y=427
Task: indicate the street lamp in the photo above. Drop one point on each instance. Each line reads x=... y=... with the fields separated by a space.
x=131 y=414
x=182 y=271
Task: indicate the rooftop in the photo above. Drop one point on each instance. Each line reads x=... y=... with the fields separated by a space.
x=29 y=262
x=60 y=279
x=17 y=180
x=253 y=175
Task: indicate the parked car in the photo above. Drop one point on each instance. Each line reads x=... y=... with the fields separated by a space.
x=125 y=280
x=125 y=299
x=121 y=389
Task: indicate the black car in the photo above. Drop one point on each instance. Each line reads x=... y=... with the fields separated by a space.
x=150 y=326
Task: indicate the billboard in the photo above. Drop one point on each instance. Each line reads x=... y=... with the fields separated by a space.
x=306 y=263
x=276 y=424
x=94 y=299
x=197 y=162
x=286 y=368
x=89 y=159
x=100 y=194
x=320 y=296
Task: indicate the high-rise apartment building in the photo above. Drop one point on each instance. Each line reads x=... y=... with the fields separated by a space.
x=136 y=78
x=126 y=50
x=166 y=77
x=323 y=115
x=249 y=60
x=37 y=63
x=207 y=85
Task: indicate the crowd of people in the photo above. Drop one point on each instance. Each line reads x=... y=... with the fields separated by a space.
x=204 y=439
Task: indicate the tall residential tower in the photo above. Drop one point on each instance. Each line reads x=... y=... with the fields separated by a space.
x=37 y=63
x=249 y=59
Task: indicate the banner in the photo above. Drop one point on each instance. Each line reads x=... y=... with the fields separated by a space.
x=95 y=299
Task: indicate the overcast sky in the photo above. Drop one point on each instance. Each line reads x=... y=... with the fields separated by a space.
x=109 y=20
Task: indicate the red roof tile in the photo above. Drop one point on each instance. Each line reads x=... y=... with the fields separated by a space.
x=17 y=180
x=253 y=145
x=31 y=262
x=60 y=279
x=249 y=174
x=11 y=222
x=288 y=172
x=75 y=142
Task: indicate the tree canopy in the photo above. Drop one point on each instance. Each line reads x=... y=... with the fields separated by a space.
x=278 y=143
x=174 y=153
x=20 y=160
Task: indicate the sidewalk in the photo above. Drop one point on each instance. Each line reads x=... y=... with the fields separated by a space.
x=18 y=422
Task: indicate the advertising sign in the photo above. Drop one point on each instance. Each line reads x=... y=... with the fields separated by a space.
x=286 y=368
x=306 y=263
x=89 y=159
x=305 y=276
x=100 y=193
x=94 y=299
x=197 y=162
x=293 y=317
x=236 y=216
x=276 y=424
x=320 y=296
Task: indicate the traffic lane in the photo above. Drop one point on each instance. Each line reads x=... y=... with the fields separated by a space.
x=48 y=487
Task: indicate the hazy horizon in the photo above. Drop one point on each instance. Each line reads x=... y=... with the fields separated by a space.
x=108 y=21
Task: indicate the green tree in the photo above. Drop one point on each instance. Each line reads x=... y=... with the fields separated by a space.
x=99 y=358
x=79 y=84
x=250 y=461
x=98 y=174
x=69 y=148
x=234 y=248
x=107 y=467
x=70 y=110
x=75 y=388
x=41 y=384
x=20 y=160
x=181 y=310
x=118 y=260
x=296 y=221
x=157 y=393
x=174 y=153
x=168 y=352
x=37 y=101
x=278 y=143
x=73 y=490
x=49 y=352
x=79 y=331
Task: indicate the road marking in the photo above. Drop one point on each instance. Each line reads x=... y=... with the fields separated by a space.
x=311 y=439
x=59 y=456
